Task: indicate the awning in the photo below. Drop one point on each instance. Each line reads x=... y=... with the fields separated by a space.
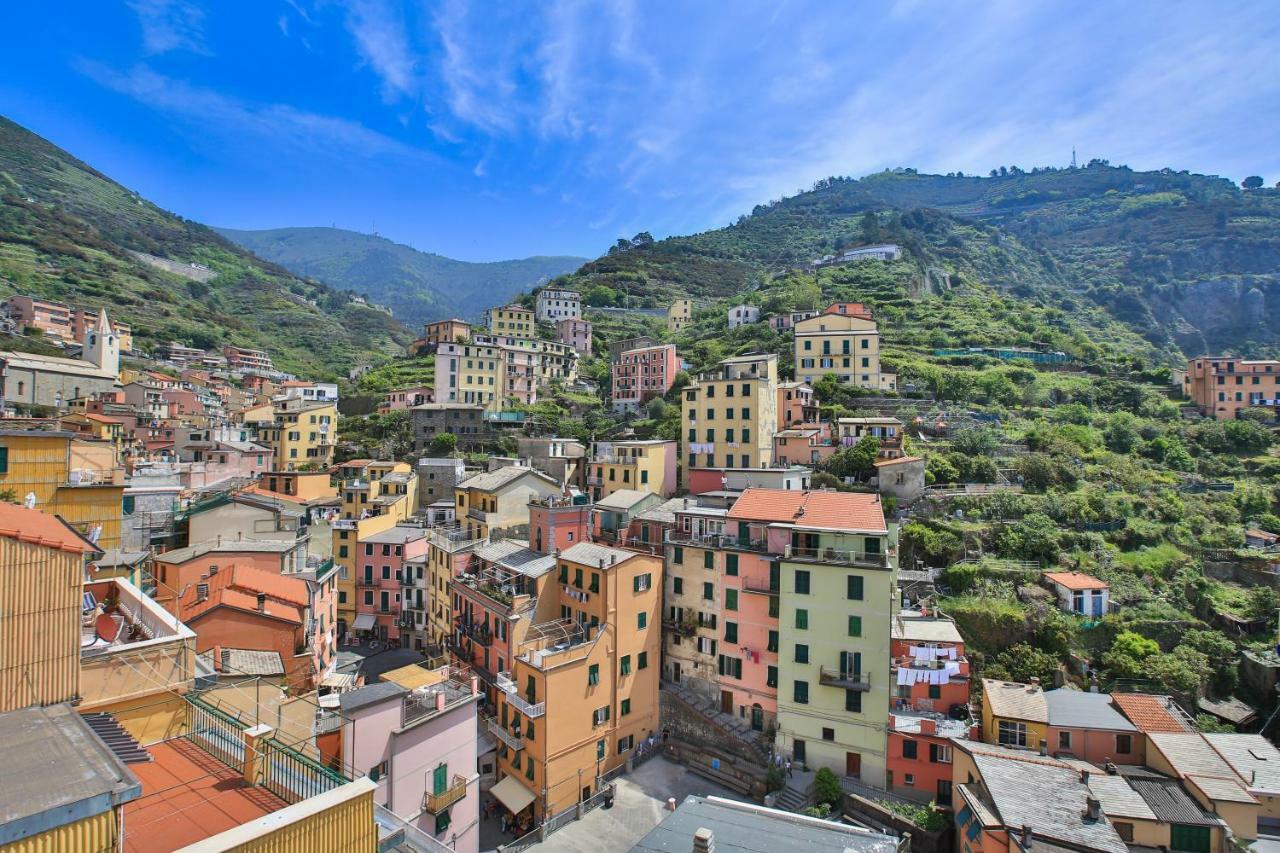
x=339 y=680
x=512 y=794
x=364 y=622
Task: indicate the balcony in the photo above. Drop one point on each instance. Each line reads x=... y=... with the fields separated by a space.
x=515 y=743
x=344 y=524
x=716 y=540
x=760 y=586
x=837 y=556
x=478 y=515
x=593 y=480
x=859 y=681
x=515 y=700
x=436 y=803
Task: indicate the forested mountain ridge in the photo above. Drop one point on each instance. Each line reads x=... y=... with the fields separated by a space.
x=417 y=286
x=1190 y=262
x=70 y=233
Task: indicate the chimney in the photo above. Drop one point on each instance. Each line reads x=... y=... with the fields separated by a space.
x=1084 y=777
x=1044 y=747
x=475 y=686
x=440 y=700
x=1092 y=809
x=1024 y=837
x=1034 y=681
x=262 y=602
x=213 y=570
x=202 y=592
x=704 y=841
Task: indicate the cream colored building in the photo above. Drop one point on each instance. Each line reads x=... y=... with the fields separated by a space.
x=730 y=415
x=843 y=340
x=679 y=315
x=510 y=320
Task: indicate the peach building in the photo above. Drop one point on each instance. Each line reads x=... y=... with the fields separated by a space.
x=380 y=578
x=639 y=375
x=796 y=404
x=441 y=332
x=179 y=570
x=1223 y=386
x=575 y=332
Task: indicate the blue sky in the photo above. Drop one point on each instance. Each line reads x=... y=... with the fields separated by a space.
x=494 y=130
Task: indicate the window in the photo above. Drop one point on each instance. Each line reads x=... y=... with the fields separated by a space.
x=731 y=667
x=642 y=660
x=730 y=599
x=626 y=664
x=1124 y=830
x=853 y=701
x=599 y=750
x=1124 y=744
x=564 y=574
x=600 y=716
x=709 y=591
x=771 y=677
x=802 y=582
x=944 y=792
x=731 y=565
x=773 y=641
x=1011 y=733
x=939 y=753
x=677 y=554
x=908 y=778
x=935 y=691
x=910 y=749
x=828 y=734
x=801 y=693
x=642 y=582
x=853 y=587
x=677 y=586
x=855 y=626
x=731 y=632
x=708 y=560
x=528 y=774
x=802 y=653
x=802 y=619
x=642 y=620
x=593 y=675
x=1064 y=740
x=377 y=771
x=624 y=708
x=577 y=578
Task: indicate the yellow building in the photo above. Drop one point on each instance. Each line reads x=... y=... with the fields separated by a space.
x=448 y=552
x=375 y=496
x=498 y=501
x=843 y=340
x=645 y=466
x=302 y=434
x=471 y=373
x=510 y=320
x=583 y=688
x=730 y=415
x=1014 y=714
x=76 y=478
x=679 y=315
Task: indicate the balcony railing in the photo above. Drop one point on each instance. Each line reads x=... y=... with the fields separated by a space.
x=436 y=803
x=760 y=586
x=515 y=700
x=478 y=514
x=860 y=681
x=593 y=480
x=716 y=540
x=876 y=559
x=498 y=731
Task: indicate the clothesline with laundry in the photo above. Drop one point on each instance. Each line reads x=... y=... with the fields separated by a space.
x=907 y=675
x=926 y=653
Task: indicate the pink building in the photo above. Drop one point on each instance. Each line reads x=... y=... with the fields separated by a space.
x=642 y=374
x=420 y=749
x=380 y=566
x=521 y=375
x=406 y=398
x=557 y=523
x=182 y=402
x=796 y=404
x=808 y=444
x=575 y=332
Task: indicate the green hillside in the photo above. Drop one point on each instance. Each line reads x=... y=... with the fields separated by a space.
x=69 y=232
x=417 y=286
x=1189 y=262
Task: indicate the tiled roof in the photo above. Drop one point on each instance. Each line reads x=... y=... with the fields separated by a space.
x=1076 y=580
x=820 y=510
x=1254 y=757
x=361 y=697
x=515 y=556
x=1076 y=709
x=251 y=662
x=491 y=480
x=1194 y=760
x=622 y=499
x=41 y=528
x=665 y=512
x=1166 y=798
x=231 y=546
x=1149 y=713
x=1118 y=798
x=1015 y=701
x=238 y=587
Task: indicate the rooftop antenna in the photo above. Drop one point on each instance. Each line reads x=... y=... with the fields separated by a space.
x=1073 y=157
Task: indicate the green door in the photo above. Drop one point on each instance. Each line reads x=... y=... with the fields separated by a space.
x=757 y=718
x=1192 y=839
x=440 y=779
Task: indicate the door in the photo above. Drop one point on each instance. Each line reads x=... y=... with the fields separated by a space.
x=1193 y=839
x=797 y=751
x=675 y=672
x=757 y=718
x=439 y=779
x=853 y=764
x=726 y=701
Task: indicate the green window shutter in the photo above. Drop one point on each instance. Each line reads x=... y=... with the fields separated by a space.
x=439 y=779
x=731 y=564
x=854 y=587
x=708 y=560
x=642 y=660
x=599 y=750
x=595 y=582
x=771 y=679
x=577 y=578
x=626 y=664
x=801 y=694
x=443 y=820
x=4 y=460
x=528 y=730
x=802 y=582
x=802 y=619
x=593 y=676
x=773 y=641
x=625 y=708
x=677 y=554
x=731 y=632
x=802 y=653
x=709 y=591
x=642 y=620
x=564 y=574
x=855 y=626
x=677 y=586
x=528 y=770
x=730 y=599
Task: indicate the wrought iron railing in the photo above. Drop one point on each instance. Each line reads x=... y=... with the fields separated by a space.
x=216 y=732
x=292 y=776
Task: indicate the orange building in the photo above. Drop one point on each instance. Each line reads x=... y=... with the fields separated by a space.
x=583 y=686
x=441 y=332
x=1223 y=386
x=181 y=569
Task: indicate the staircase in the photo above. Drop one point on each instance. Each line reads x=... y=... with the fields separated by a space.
x=740 y=729
x=791 y=799
x=117 y=739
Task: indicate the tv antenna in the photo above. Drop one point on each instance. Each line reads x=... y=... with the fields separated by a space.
x=1073 y=157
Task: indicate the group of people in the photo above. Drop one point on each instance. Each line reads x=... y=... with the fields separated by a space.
x=517 y=826
x=782 y=762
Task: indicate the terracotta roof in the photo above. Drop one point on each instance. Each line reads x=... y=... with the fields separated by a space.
x=901 y=460
x=1076 y=580
x=238 y=587
x=1149 y=713
x=822 y=509
x=41 y=528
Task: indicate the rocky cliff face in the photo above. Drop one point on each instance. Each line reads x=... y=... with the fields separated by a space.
x=1222 y=314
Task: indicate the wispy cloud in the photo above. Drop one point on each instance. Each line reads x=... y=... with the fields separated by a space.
x=286 y=128
x=382 y=40
x=169 y=25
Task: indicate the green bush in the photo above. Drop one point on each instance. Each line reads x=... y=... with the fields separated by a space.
x=826 y=787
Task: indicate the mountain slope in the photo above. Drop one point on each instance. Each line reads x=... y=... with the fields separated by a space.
x=69 y=232
x=1190 y=262
x=417 y=286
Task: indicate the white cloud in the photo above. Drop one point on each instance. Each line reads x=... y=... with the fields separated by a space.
x=169 y=25
x=382 y=40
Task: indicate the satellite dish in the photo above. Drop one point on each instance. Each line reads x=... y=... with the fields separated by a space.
x=106 y=628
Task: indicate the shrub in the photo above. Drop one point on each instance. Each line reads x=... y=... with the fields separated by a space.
x=826 y=787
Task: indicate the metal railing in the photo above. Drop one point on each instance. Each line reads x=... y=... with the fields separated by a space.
x=515 y=700
x=500 y=732
x=716 y=540
x=761 y=586
x=216 y=732
x=860 y=681
x=436 y=803
x=292 y=776
x=879 y=559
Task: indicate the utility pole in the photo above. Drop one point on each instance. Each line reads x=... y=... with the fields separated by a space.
x=1073 y=157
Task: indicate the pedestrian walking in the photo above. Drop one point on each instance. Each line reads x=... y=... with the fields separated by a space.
x=503 y=823
x=788 y=766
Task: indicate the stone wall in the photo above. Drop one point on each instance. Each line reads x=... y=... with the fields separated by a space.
x=688 y=726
